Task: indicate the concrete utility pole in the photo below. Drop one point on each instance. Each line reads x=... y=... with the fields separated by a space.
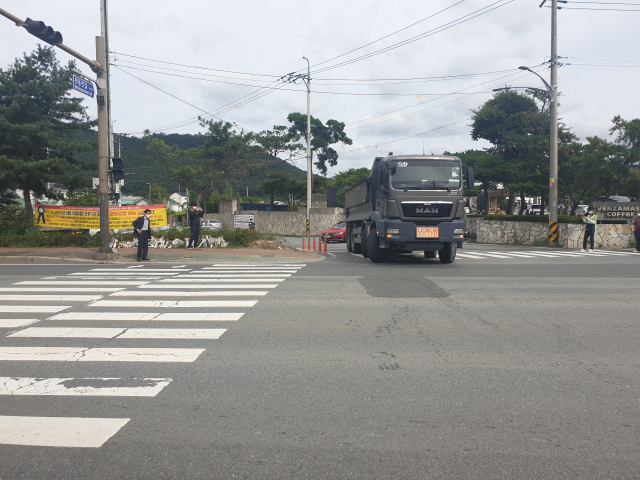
x=309 y=166
x=553 y=134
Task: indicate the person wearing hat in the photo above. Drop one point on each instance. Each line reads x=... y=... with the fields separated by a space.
x=142 y=230
x=590 y=230
x=636 y=231
x=195 y=215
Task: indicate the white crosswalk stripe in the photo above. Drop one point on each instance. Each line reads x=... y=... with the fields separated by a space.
x=171 y=333
x=58 y=431
x=144 y=317
x=85 y=354
x=135 y=293
x=535 y=254
x=85 y=387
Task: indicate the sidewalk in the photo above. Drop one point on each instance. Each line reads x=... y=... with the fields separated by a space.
x=156 y=255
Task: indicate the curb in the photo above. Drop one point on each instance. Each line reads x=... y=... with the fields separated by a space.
x=33 y=260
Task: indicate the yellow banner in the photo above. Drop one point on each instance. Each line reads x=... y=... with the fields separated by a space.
x=89 y=217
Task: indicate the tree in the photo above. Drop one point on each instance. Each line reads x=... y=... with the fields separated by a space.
x=282 y=185
x=624 y=155
x=81 y=199
x=275 y=142
x=226 y=155
x=322 y=137
x=350 y=177
x=159 y=194
x=487 y=168
x=37 y=119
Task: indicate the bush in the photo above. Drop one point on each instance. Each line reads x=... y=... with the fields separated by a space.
x=533 y=218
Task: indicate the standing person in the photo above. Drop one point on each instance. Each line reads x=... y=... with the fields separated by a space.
x=195 y=215
x=590 y=230
x=636 y=232
x=142 y=229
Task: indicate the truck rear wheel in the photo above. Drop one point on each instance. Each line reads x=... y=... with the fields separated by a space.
x=364 y=236
x=429 y=254
x=448 y=253
x=376 y=254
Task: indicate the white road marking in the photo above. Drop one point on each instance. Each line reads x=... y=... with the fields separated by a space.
x=171 y=333
x=135 y=316
x=16 y=322
x=174 y=333
x=124 y=272
x=236 y=270
x=84 y=354
x=174 y=303
x=61 y=289
x=146 y=270
x=299 y=265
x=179 y=266
x=83 y=387
x=357 y=255
x=464 y=255
x=81 y=282
x=173 y=281
x=136 y=266
x=32 y=308
x=165 y=286
x=164 y=293
x=58 y=431
x=487 y=255
x=237 y=275
x=50 y=298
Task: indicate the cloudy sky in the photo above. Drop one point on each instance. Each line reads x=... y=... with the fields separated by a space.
x=426 y=63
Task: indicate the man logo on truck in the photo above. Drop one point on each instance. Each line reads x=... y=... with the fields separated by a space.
x=427 y=210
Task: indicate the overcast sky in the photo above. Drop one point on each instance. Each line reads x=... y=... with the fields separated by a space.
x=270 y=38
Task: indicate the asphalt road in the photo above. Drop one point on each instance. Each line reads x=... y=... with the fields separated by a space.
x=513 y=362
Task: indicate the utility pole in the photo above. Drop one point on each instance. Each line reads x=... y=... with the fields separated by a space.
x=149 y=193
x=309 y=166
x=295 y=78
x=553 y=134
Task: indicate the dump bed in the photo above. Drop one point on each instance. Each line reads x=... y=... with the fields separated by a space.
x=357 y=194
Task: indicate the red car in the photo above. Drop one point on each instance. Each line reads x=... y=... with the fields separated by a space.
x=335 y=233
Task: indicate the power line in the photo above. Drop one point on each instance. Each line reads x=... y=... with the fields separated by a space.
x=431 y=32
x=193 y=66
x=600 y=9
x=603 y=59
x=288 y=89
x=605 y=3
x=602 y=65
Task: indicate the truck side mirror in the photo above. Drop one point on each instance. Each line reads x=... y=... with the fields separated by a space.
x=392 y=167
x=470 y=178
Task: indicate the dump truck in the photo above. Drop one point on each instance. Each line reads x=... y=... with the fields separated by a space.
x=408 y=203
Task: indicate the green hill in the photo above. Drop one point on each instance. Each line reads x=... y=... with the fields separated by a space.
x=141 y=166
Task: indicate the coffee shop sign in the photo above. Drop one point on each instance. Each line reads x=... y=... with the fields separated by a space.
x=613 y=210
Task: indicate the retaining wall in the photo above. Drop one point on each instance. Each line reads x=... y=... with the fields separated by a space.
x=570 y=235
x=287 y=223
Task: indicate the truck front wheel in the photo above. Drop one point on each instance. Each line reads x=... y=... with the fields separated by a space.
x=448 y=253
x=349 y=240
x=376 y=254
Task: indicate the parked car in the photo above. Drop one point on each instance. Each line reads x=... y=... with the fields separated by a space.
x=581 y=209
x=535 y=209
x=335 y=233
x=212 y=224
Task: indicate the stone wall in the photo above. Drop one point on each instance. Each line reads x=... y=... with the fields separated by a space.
x=287 y=223
x=570 y=235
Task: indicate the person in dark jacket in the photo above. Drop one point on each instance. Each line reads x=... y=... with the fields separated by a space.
x=142 y=230
x=590 y=219
x=195 y=215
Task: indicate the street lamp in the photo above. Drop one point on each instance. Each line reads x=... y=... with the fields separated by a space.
x=553 y=150
x=149 y=193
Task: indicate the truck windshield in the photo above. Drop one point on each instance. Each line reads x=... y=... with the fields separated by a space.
x=426 y=175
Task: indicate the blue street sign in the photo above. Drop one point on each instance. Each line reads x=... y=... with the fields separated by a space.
x=83 y=86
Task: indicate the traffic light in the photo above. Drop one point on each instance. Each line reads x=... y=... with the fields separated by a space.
x=117 y=169
x=43 y=32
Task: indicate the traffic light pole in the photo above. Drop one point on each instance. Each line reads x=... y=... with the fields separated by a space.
x=99 y=67
x=103 y=148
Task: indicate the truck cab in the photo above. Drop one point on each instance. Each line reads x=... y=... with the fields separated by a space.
x=408 y=203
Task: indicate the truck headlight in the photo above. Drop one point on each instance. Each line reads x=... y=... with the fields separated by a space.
x=458 y=231
x=393 y=230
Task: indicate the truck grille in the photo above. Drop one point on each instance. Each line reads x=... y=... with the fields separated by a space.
x=426 y=209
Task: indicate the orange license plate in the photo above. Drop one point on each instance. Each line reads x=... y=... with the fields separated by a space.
x=427 y=232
